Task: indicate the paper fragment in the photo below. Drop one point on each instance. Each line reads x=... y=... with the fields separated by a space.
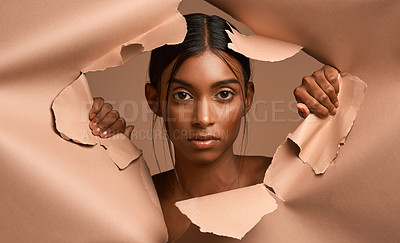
x=68 y=108
x=170 y=31
x=261 y=48
x=120 y=149
x=231 y=213
x=319 y=139
x=71 y=110
x=316 y=141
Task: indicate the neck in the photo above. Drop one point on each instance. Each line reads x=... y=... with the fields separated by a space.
x=200 y=179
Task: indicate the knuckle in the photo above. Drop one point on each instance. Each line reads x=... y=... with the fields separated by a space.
x=323 y=98
x=331 y=73
x=317 y=73
x=107 y=106
x=330 y=90
x=324 y=113
x=98 y=99
x=297 y=91
x=312 y=104
x=121 y=121
x=113 y=113
x=307 y=80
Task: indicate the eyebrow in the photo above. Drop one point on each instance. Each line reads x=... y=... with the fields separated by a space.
x=216 y=84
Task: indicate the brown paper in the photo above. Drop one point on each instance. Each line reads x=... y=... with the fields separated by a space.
x=170 y=31
x=54 y=190
x=319 y=140
x=59 y=191
x=261 y=48
x=355 y=200
x=231 y=213
x=316 y=141
x=71 y=108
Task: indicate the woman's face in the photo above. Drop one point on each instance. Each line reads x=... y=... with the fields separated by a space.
x=205 y=106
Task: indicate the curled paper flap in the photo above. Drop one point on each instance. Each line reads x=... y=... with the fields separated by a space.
x=71 y=110
x=168 y=29
x=316 y=141
x=231 y=213
x=261 y=48
x=319 y=140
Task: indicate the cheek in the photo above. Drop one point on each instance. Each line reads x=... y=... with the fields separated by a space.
x=179 y=122
x=229 y=112
x=229 y=119
x=180 y=114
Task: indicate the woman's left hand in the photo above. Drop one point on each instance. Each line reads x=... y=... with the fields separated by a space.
x=318 y=93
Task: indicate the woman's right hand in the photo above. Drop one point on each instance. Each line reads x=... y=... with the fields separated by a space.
x=105 y=122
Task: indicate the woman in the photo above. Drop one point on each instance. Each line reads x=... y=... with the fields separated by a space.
x=202 y=90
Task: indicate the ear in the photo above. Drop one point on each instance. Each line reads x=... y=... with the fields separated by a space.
x=152 y=98
x=249 y=96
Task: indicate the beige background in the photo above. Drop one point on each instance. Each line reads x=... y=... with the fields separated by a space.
x=271 y=117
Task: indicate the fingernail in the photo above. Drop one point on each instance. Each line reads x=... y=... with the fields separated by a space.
x=92 y=124
x=96 y=131
x=104 y=134
x=92 y=116
x=334 y=111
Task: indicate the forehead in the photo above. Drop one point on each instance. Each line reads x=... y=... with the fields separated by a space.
x=205 y=69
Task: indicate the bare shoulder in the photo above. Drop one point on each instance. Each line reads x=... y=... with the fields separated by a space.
x=163 y=184
x=177 y=223
x=254 y=168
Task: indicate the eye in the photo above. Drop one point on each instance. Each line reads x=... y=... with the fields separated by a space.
x=181 y=95
x=225 y=94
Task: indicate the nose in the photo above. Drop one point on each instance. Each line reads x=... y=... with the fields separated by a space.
x=203 y=115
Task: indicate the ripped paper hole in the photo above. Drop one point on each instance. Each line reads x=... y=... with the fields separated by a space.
x=316 y=141
x=231 y=213
x=71 y=110
x=261 y=48
x=319 y=140
x=168 y=29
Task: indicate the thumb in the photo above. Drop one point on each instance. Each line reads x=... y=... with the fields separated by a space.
x=128 y=131
x=302 y=110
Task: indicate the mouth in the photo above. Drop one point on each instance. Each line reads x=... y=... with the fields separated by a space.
x=203 y=142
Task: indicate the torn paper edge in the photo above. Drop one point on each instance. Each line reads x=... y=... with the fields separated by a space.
x=288 y=165
x=202 y=211
x=120 y=149
x=71 y=111
x=230 y=213
x=261 y=48
x=312 y=131
x=153 y=38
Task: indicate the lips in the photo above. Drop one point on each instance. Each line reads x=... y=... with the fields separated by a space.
x=204 y=142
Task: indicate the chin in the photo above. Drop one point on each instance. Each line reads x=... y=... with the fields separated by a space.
x=204 y=156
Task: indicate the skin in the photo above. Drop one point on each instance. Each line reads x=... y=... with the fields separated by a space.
x=206 y=103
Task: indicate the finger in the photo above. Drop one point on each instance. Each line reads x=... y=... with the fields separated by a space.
x=333 y=76
x=313 y=105
x=315 y=91
x=326 y=87
x=302 y=110
x=117 y=127
x=105 y=109
x=109 y=120
x=128 y=131
x=97 y=104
